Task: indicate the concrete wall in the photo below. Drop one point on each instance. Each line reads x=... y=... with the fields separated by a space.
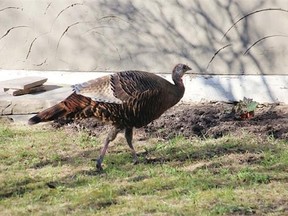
x=100 y=35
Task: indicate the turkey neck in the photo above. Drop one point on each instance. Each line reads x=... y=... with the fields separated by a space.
x=178 y=83
x=177 y=91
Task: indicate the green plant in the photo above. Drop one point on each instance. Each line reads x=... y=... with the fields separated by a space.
x=245 y=109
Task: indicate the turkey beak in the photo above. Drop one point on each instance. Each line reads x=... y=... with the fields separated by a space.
x=188 y=68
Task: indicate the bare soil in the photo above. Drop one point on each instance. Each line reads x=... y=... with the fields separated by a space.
x=206 y=120
x=217 y=119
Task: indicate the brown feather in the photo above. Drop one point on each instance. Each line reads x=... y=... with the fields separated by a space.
x=71 y=105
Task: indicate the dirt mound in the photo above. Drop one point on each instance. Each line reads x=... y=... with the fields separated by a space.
x=217 y=119
x=207 y=120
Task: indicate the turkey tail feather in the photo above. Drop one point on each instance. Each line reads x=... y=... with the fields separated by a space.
x=69 y=107
x=49 y=114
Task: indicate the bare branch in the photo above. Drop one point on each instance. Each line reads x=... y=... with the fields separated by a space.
x=32 y=43
x=97 y=27
x=72 y=5
x=41 y=63
x=48 y=6
x=7 y=8
x=114 y=46
x=249 y=14
x=30 y=47
x=66 y=30
x=261 y=39
x=15 y=27
x=114 y=17
x=216 y=54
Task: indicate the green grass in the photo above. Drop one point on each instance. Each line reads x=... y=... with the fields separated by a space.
x=50 y=172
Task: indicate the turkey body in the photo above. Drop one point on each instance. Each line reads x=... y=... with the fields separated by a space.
x=125 y=99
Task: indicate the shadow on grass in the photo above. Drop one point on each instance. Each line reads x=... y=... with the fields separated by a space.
x=22 y=187
x=63 y=160
x=207 y=152
x=176 y=151
x=166 y=153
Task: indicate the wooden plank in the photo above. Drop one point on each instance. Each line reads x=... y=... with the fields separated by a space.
x=23 y=83
x=17 y=92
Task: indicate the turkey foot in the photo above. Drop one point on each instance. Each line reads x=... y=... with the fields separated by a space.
x=99 y=165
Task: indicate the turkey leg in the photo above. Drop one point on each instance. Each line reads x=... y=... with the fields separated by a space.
x=111 y=136
x=129 y=136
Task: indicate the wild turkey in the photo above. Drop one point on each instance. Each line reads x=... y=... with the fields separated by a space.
x=125 y=99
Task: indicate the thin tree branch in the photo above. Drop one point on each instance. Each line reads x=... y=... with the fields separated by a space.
x=261 y=39
x=48 y=6
x=32 y=43
x=15 y=27
x=72 y=5
x=114 y=17
x=249 y=14
x=40 y=64
x=114 y=46
x=66 y=30
x=7 y=8
x=30 y=47
x=219 y=50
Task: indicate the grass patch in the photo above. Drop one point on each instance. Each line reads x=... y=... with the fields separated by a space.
x=47 y=171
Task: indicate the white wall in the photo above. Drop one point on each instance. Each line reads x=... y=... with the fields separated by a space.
x=90 y=35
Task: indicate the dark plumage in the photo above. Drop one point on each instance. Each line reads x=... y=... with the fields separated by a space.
x=125 y=99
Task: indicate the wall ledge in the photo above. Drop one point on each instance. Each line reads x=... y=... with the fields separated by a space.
x=261 y=88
